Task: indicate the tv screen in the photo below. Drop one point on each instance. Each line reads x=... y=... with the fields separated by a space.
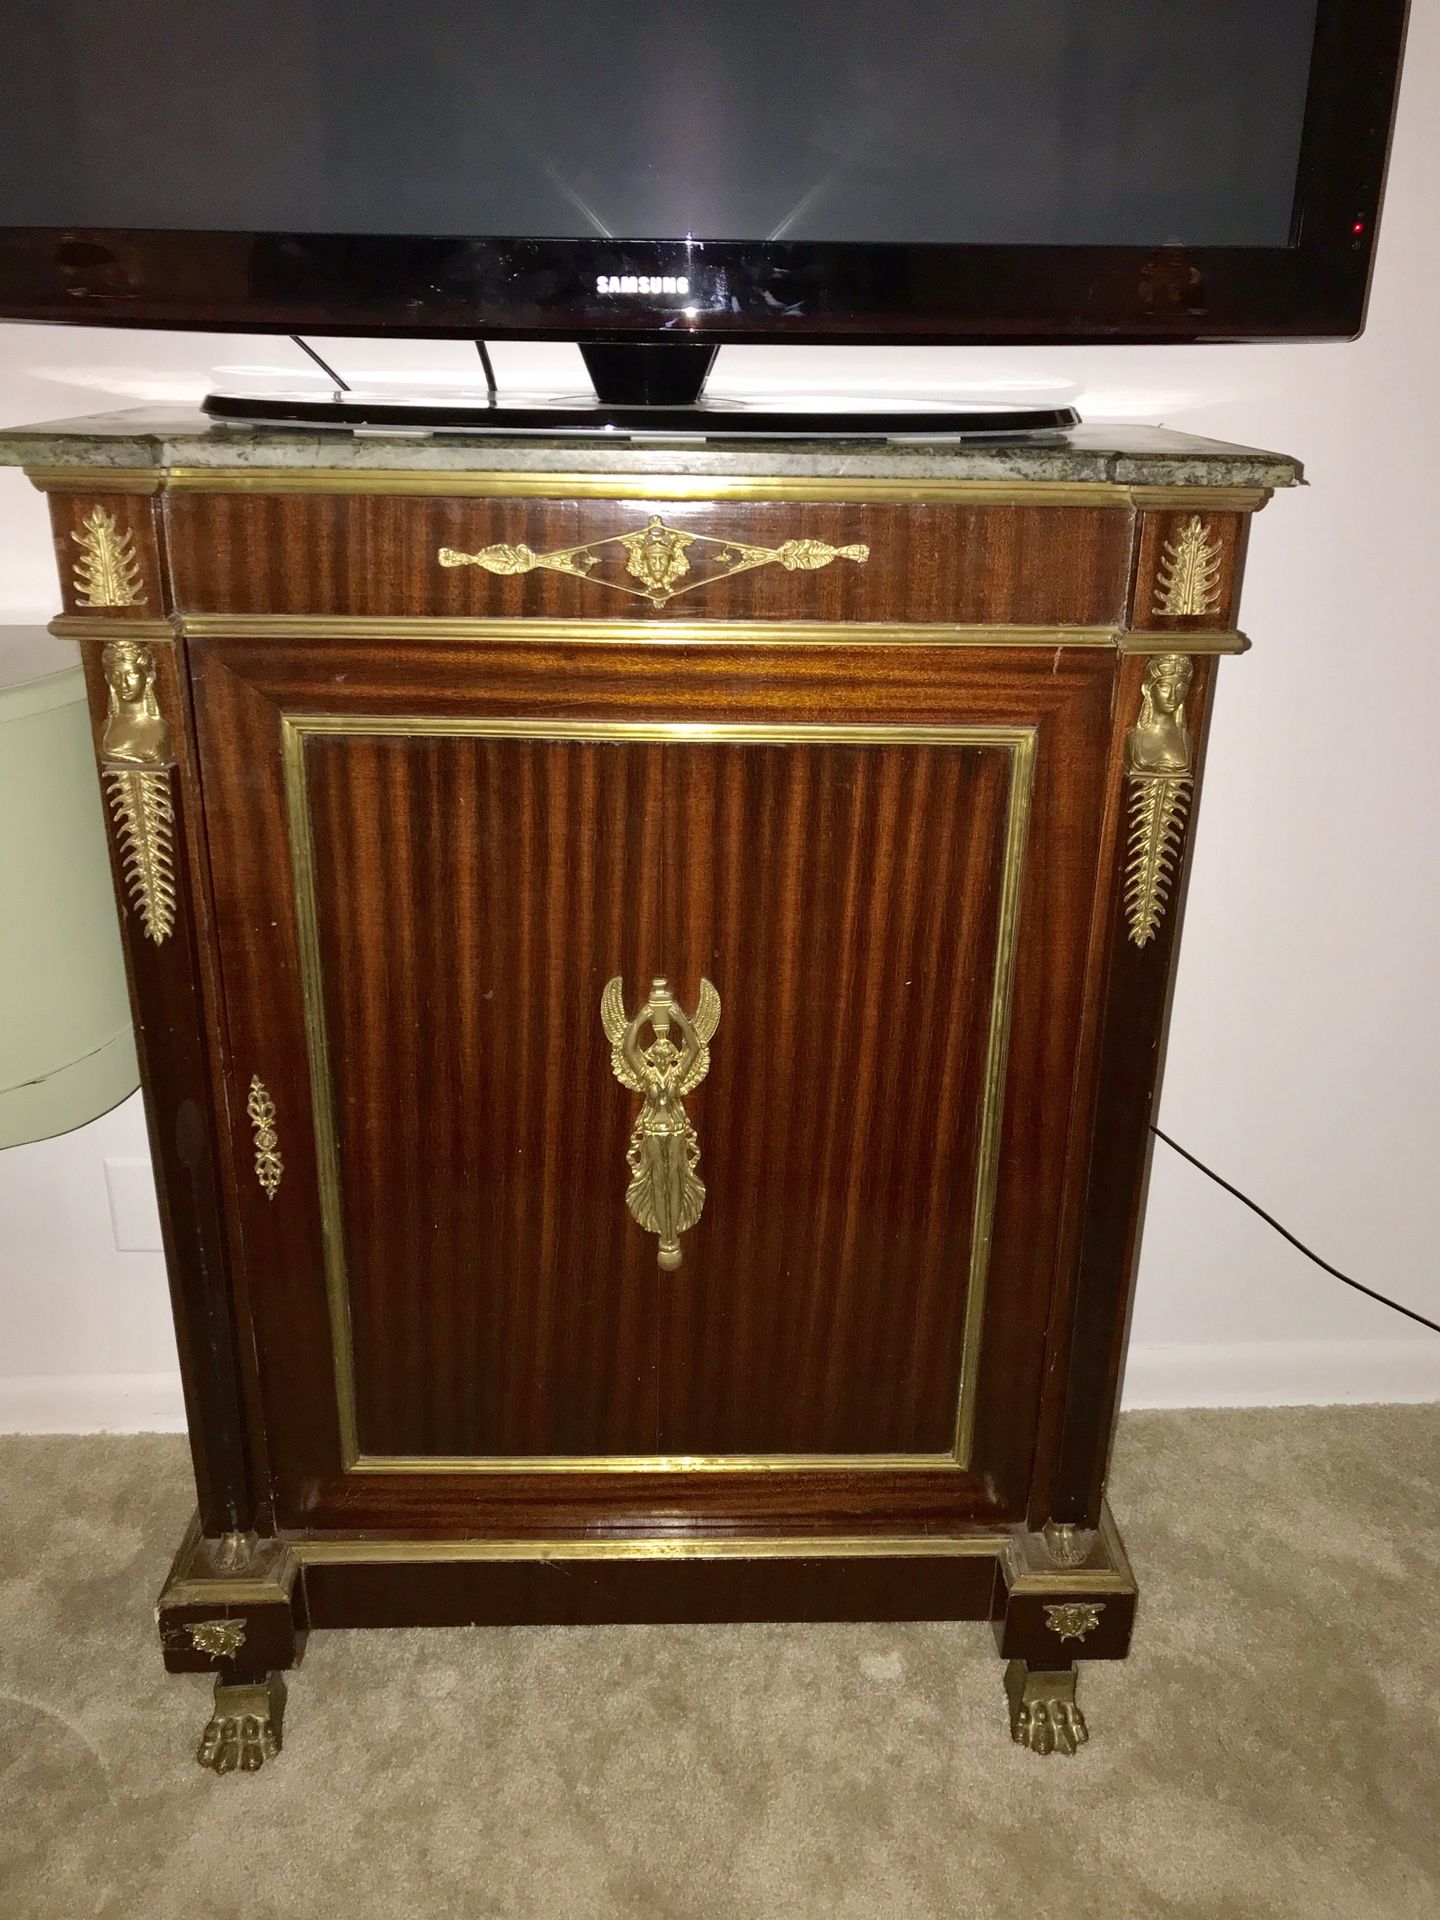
x=819 y=168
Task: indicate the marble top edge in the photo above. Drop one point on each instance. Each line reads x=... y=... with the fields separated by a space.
x=1117 y=455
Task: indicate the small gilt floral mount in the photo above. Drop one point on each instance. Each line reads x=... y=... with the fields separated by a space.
x=1073 y=1619
x=221 y=1639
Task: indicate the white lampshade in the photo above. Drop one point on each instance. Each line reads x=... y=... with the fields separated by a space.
x=67 y=1052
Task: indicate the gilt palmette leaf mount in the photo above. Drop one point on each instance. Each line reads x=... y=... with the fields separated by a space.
x=107 y=573
x=666 y=1194
x=658 y=558
x=1158 y=763
x=1187 y=580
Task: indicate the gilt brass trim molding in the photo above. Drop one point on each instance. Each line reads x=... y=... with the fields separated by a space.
x=475 y=484
x=343 y=627
x=227 y=1593
x=629 y=632
x=98 y=480
x=987 y=1173
x=1217 y=499
x=1018 y=741
x=719 y=487
x=663 y=1463
x=1195 y=641
x=863 y=1546
x=861 y=490
x=99 y=626
x=268 y=1588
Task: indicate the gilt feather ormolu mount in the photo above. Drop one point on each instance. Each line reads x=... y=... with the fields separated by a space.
x=1158 y=762
x=658 y=557
x=135 y=762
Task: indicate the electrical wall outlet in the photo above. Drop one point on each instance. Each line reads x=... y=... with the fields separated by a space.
x=134 y=1211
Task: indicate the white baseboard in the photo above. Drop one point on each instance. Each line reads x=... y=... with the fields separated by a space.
x=1261 y=1373
x=1283 y=1373
x=91 y=1403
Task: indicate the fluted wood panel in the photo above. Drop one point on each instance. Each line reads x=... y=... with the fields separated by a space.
x=844 y=899
x=469 y=892
x=474 y=896
x=376 y=554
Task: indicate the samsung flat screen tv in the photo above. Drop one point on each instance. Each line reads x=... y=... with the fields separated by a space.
x=671 y=175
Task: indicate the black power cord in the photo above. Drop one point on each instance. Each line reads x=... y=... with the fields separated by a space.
x=324 y=365
x=1285 y=1234
x=343 y=386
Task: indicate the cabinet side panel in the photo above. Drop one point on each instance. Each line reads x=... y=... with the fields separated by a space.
x=1136 y=999
x=158 y=886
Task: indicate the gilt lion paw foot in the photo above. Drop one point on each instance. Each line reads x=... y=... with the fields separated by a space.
x=1043 y=1713
x=244 y=1730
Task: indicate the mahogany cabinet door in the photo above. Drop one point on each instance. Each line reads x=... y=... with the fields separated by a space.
x=430 y=857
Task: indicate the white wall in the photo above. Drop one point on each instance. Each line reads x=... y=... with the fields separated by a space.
x=1305 y=1048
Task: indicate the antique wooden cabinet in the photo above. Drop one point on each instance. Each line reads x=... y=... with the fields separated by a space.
x=650 y=968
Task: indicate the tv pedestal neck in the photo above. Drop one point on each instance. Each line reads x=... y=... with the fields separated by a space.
x=650 y=967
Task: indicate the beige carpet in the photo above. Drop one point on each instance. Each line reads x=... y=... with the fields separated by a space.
x=1272 y=1747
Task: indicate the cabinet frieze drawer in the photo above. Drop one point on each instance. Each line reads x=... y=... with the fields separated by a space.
x=990 y=563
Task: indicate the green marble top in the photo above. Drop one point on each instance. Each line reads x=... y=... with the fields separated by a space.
x=1120 y=455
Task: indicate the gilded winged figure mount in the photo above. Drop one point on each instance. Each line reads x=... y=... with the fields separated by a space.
x=665 y=1194
x=658 y=557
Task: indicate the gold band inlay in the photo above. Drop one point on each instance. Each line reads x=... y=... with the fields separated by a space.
x=101 y=626
x=530 y=485
x=628 y=632
x=343 y=628
x=763 y=1547
x=1018 y=741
